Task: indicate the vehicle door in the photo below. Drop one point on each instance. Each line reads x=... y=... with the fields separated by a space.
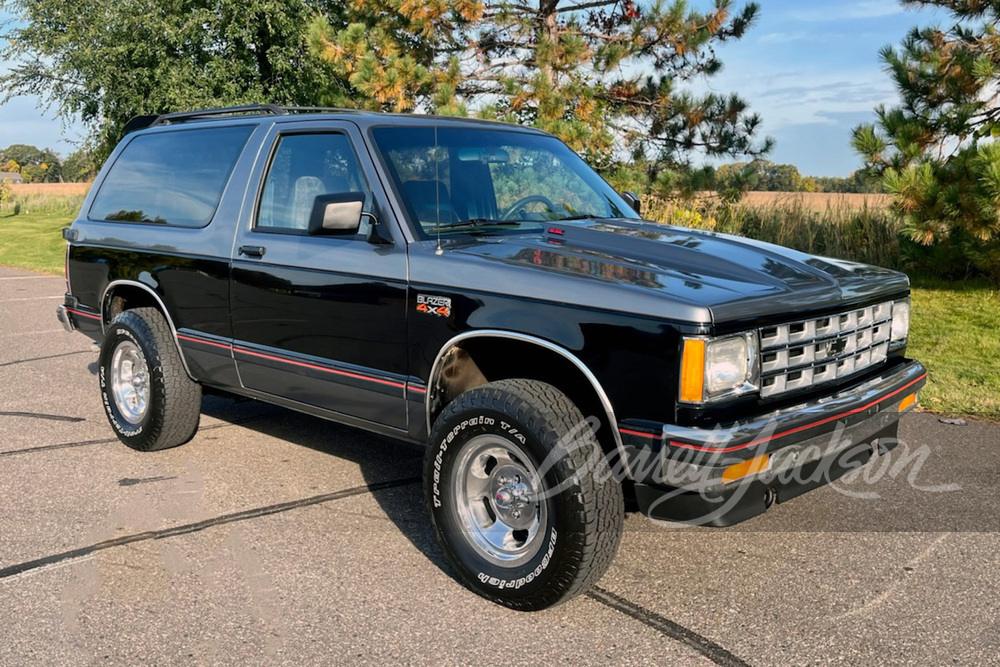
x=319 y=320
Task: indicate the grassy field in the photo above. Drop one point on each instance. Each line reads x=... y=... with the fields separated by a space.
x=815 y=201
x=30 y=236
x=52 y=190
x=955 y=331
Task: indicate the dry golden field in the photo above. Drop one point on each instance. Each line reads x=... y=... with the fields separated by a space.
x=816 y=201
x=54 y=189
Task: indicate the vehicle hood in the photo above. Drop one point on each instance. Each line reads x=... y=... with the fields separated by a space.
x=737 y=279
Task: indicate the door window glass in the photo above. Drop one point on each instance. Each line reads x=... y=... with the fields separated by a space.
x=304 y=167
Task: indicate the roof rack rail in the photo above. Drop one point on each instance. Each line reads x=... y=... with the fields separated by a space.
x=320 y=109
x=180 y=117
x=142 y=122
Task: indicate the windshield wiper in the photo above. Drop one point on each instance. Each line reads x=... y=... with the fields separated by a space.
x=584 y=216
x=478 y=222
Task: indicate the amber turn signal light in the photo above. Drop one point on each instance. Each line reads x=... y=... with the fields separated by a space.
x=745 y=469
x=693 y=371
x=908 y=402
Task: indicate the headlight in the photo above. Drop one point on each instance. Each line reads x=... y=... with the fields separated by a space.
x=900 y=321
x=719 y=368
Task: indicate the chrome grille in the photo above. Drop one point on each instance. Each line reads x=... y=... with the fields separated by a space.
x=804 y=354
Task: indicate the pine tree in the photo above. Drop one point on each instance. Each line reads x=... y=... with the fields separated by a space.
x=603 y=75
x=936 y=152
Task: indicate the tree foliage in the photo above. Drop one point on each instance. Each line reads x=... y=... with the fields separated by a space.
x=760 y=175
x=607 y=76
x=106 y=61
x=604 y=75
x=79 y=166
x=36 y=165
x=768 y=176
x=936 y=152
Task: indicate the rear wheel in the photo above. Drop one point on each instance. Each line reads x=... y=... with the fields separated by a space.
x=149 y=400
x=521 y=496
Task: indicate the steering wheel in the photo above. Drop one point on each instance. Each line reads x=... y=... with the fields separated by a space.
x=521 y=203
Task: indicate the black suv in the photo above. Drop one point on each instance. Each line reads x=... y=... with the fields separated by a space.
x=477 y=287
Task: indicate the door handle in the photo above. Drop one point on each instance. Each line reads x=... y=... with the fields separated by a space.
x=252 y=250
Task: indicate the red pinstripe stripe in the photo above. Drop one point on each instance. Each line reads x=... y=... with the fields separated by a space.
x=204 y=342
x=639 y=433
x=294 y=363
x=83 y=314
x=320 y=368
x=418 y=390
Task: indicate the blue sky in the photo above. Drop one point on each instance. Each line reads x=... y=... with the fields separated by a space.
x=809 y=67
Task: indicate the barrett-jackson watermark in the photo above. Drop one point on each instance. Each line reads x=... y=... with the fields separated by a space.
x=851 y=468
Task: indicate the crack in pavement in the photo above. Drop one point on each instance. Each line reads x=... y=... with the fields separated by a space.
x=132 y=481
x=51 y=356
x=665 y=626
x=188 y=528
x=39 y=415
x=85 y=443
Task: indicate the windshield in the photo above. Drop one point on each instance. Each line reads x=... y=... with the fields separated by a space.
x=468 y=179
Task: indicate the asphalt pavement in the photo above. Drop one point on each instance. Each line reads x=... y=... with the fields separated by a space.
x=278 y=538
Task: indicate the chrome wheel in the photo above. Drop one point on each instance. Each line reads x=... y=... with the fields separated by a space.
x=498 y=496
x=130 y=382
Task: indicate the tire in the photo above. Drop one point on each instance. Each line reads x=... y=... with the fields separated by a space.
x=150 y=401
x=526 y=521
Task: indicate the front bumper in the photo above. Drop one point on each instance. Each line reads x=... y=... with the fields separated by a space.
x=681 y=473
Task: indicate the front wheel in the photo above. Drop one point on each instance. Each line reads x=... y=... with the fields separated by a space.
x=521 y=495
x=150 y=401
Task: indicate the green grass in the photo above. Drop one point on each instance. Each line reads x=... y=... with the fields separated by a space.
x=30 y=236
x=955 y=330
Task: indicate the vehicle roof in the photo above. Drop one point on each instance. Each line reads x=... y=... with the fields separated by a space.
x=262 y=113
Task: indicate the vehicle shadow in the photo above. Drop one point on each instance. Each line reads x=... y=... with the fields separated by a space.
x=380 y=459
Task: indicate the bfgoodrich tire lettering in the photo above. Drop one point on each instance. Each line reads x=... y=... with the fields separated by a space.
x=543 y=547
x=140 y=341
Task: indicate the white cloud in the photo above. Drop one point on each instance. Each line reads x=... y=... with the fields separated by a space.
x=802 y=96
x=24 y=120
x=783 y=37
x=863 y=9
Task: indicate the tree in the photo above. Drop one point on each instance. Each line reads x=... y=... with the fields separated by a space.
x=106 y=60
x=579 y=69
x=859 y=181
x=34 y=164
x=79 y=166
x=760 y=175
x=936 y=153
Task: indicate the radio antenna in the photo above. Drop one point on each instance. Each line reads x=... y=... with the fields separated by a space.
x=437 y=194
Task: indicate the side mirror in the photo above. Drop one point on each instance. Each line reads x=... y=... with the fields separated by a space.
x=337 y=214
x=632 y=199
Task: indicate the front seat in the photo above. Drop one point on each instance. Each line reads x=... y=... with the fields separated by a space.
x=430 y=201
x=304 y=194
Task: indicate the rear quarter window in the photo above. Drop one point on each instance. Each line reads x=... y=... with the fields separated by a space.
x=171 y=178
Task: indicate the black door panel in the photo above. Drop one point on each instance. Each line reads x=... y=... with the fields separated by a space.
x=316 y=319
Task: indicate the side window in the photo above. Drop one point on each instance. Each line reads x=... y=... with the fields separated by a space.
x=171 y=178
x=303 y=167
